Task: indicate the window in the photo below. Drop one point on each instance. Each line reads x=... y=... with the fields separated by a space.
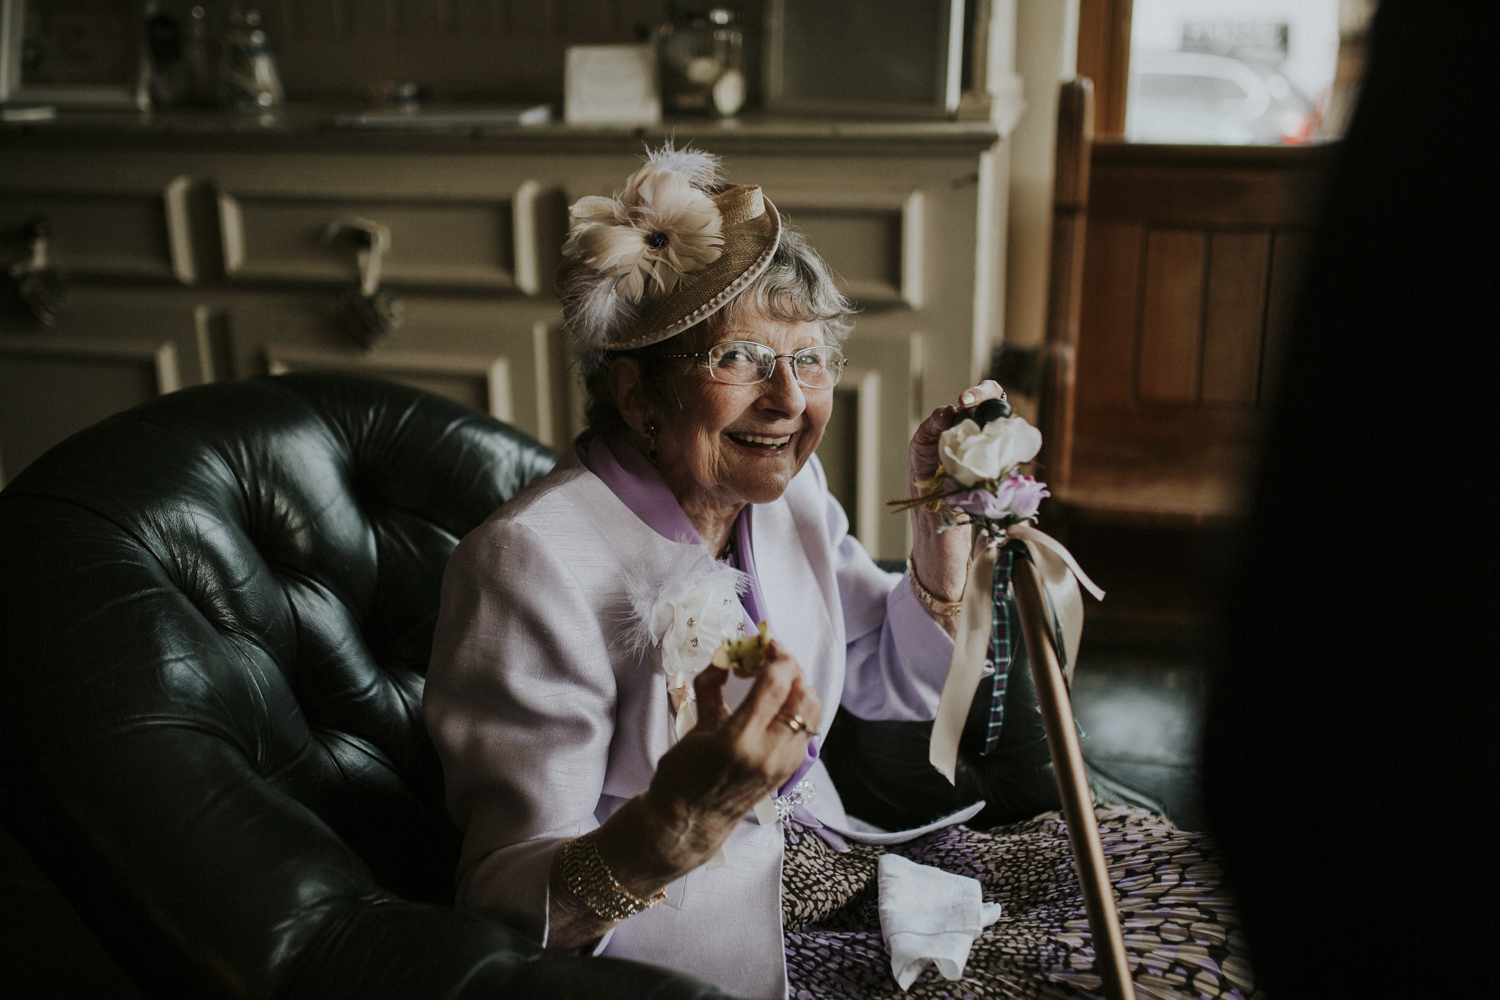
x=1236 y=72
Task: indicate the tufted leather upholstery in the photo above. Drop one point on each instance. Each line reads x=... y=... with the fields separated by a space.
x=215 y=617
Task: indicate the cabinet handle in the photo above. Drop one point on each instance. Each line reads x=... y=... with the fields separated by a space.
x=41 y=287
x=373 y=240
x=368 y=315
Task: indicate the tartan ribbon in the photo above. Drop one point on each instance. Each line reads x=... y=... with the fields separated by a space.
x=1000 y=648
x=977 y=623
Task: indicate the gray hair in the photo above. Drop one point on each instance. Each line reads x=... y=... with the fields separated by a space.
x=796 y=287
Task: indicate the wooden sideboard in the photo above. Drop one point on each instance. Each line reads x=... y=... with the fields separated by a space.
x=197 y=249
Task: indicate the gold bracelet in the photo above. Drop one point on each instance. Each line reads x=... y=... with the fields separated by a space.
x=929 y=600
x=589 y=880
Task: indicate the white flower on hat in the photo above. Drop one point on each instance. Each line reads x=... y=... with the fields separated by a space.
x=970 y=453
x=660 y=229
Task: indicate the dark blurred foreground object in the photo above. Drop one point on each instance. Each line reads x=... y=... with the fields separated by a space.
x=1350 y=745
x=215 y=612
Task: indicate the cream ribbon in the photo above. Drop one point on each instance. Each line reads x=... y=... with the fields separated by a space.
x=685 y=699
x=1061 y=576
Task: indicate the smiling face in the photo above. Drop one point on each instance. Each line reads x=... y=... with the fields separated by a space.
x=729 y=445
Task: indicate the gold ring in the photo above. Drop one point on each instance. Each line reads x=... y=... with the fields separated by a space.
x=796 y=724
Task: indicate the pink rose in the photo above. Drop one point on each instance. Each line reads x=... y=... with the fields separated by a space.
x=1017 y=497
x=980 y=502
x=1021 y=496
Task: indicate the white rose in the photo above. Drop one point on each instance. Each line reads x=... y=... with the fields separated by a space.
x=691 y=617
x=971 y=454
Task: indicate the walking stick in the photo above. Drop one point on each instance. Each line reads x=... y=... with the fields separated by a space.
x=1072 y=783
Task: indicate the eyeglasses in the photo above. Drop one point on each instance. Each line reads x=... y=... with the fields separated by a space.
x=744 y=362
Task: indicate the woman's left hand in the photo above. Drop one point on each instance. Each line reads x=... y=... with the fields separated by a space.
x=922 y=454
x=940 y=559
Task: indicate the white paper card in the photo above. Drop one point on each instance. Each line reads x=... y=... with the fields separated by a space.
x=611 y=85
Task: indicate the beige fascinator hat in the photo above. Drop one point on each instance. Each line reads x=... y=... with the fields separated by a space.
x=670 y=251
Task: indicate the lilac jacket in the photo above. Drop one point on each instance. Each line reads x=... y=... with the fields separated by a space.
x=547 y=720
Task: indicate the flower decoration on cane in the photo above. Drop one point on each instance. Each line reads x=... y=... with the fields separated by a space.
x=979 y=485
x=981 y=456
x=660 y=229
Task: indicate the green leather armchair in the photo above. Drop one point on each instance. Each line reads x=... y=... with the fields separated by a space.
x=215 y=617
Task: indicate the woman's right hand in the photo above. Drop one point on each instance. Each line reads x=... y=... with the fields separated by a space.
x=703 y=787
x=718 y=771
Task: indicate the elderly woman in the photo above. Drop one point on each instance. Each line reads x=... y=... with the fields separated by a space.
x=616 y=792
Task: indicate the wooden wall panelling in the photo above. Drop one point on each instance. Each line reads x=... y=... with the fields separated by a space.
x=1110 y=312
x=1200 y=186
x=110 y=352
x=852 y=473
x=1192 y=263
x=499 y=361
x=873 y=241
x=526 y=251
x=550 y=362
x=1171 y=337
x=54 y=388
x=909 y=224
x=913 y=247
x=482 y=382
x=1234 y=321
x=873 y=410
x=211 y=331
x=133 y=232
x=436 y=241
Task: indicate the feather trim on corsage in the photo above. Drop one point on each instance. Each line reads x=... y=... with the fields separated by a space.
x=686 y=612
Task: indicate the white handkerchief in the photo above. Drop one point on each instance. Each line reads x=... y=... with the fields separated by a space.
x=929 y=917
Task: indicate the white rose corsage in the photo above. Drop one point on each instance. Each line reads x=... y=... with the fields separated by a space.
x=687 y=613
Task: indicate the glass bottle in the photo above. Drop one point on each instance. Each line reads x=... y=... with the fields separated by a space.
x=700 y=58
x=247 y=68
x=200 y=89
x=165 y=70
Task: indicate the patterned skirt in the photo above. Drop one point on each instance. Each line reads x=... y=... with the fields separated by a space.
x=1180 y=929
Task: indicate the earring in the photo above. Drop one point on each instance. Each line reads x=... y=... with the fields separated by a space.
x=651 y=437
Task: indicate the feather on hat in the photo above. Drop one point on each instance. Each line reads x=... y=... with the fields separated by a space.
x=668 y=252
